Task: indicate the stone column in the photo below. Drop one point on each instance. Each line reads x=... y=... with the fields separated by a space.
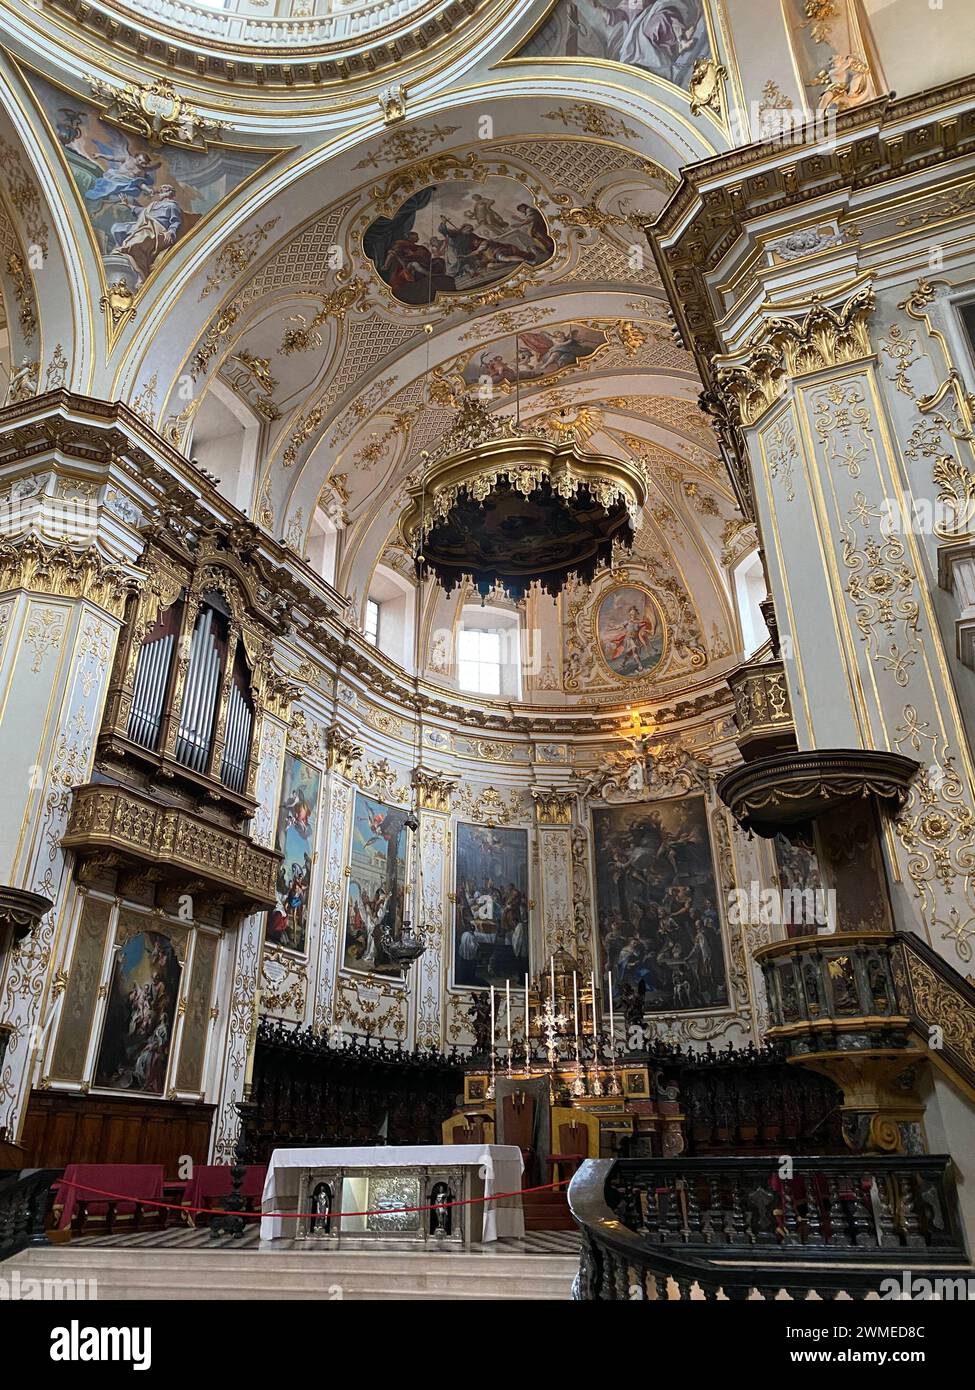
x=58 y=628
x=433 y=791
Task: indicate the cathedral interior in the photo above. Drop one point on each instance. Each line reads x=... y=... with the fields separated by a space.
x=487 y=647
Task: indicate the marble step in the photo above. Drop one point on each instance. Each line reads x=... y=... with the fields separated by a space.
x=146 y=1273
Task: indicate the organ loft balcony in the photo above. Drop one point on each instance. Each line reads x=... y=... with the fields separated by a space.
x=172 y=793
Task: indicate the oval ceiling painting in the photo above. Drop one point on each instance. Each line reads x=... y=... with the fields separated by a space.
x=629 y=631
x=457 y=236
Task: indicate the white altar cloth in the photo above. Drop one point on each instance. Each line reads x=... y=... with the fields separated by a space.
x=499 y=1165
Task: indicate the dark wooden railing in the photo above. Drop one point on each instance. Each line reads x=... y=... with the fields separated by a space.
x=25 y=1200
x=308 y=1088
x=680 y=1228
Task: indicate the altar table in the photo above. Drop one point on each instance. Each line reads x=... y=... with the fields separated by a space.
x=358 y=1179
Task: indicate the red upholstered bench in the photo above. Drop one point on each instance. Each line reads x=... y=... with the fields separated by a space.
x=212 y=1181
x=84 y=1186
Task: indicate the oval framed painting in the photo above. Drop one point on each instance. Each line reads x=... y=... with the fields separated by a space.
x=629 y=631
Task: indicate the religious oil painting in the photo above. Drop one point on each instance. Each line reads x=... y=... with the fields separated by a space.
x=663 y=37
x=629 y=631
x=457 y=236
x=491 y=913
x=287 y=923
x=140 y=199
x=535 y=355
x=377 y=885
x=656 y=901
x=138 y=1033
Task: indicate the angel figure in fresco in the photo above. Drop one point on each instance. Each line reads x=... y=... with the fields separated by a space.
x=297 y=812
x=127 y=175
x=660 y=36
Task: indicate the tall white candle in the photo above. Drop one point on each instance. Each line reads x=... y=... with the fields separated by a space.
x=507 y=1000
x=492 y=1018
x=612 y=1026
x=575 y=1004
x=527 y=1013
x=553 y=982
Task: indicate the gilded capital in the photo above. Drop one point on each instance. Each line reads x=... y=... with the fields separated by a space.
x=341 y=751
x=433 y=789
x=814 y=338
x=553 y=805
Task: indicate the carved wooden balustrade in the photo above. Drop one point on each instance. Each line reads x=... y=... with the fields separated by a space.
x=763 y=712
x=307 y=1090
x=677 y=1228
x=25 y=1200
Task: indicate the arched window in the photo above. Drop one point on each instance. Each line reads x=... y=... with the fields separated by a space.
x=388 y=617
x=749 y=591
x=225 y=440
x=489 y=651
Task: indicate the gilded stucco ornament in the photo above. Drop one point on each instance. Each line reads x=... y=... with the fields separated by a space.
x=342 y=751
x=156 y=112
x=817 y=339
x=118 y=302
x=705 y=86
x=433 y=789
x=553 y=805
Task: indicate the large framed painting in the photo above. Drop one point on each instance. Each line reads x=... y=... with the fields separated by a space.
x=657 y=905
x=491 y=912
x=141 y=200
x=629 y=631
x=141 y=1014
x=287 y=922
x=662 y=37
x=457 y=236
x=377 y=884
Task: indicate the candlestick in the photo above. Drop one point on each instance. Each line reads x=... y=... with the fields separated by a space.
x=492 y=1019
x=553 y=980
x=507 y=1000
x=575 y=1006
x=612 y=1024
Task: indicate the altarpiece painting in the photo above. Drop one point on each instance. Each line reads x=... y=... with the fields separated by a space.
x=491 y=912
x=377 y=885
x=287 y=923
x=138 y=1031
x=656 y=899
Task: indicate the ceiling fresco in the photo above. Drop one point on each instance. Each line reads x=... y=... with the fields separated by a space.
x=339 y=324
x=662 y=37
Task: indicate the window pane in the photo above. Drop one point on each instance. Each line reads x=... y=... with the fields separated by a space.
x=467 y=647
x=490 y=679
x=467 y=672
x=372 y=620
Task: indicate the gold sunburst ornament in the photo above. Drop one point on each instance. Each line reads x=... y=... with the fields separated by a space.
x=506 y=505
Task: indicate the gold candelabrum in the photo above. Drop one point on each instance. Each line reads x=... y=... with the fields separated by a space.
x=562 y=1016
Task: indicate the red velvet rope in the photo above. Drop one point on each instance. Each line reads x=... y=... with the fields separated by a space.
x=379 y=1211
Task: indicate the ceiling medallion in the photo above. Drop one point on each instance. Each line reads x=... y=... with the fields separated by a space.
x=509 y=505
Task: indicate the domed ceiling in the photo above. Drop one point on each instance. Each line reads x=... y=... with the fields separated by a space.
x=323 y=304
